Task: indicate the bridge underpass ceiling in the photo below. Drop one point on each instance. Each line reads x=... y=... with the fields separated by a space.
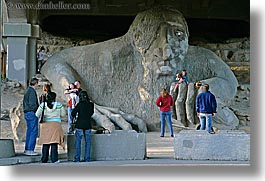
x=202 y=9
x=224 y=10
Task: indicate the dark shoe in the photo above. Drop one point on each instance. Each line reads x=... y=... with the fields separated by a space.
x=212 y=132
x=43 y=160
x=76 y=161
x=161 y=136
x=172 y=135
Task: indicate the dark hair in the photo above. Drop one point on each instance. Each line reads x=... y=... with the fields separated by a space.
x=163 y=89
x=50 y=99
x=47 y=88
x=184 y=70
x=83 y=96
x=206 y=87
x=72 y=84
x=33 y=81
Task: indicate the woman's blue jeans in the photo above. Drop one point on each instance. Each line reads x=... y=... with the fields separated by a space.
x=166 y=116
x=70 y=118
x=78 y=138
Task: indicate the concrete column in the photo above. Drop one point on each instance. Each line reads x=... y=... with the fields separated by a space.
x=21 y=51
x=32 y=57
x=1 y=40
x=17 y=59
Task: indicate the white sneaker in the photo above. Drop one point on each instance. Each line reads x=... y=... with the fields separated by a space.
x=30 y=153
x=58 y=161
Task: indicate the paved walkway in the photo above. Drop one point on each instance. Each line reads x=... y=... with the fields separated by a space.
x=160 y=152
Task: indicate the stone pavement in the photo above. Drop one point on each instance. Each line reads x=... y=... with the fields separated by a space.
x=160 y=152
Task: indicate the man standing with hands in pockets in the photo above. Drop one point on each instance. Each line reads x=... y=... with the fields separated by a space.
x=206 y=108
x=30 y=106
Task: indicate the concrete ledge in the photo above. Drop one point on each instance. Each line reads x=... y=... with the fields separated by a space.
x=7 y=148
x=20 y=158
x=119 y=145
x=222 y=146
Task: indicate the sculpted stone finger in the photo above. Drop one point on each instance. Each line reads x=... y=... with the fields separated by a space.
x=102 y=120
x=190 y=104
x=116 y=118
x=180 y=103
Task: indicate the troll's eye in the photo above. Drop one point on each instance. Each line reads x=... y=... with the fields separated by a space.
x=179 y=33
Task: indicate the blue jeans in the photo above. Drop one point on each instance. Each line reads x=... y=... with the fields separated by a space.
x=167 y=116
x=32 y=130
x=70 y=118
x=206 y=121
x=78 y=138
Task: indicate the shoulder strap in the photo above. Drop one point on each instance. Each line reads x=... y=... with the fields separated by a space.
x=42 y=113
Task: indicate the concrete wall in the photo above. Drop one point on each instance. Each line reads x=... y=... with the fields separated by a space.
x=222 y=146
x=236 y=54
x=58 y=43
x=119 y=145
x=233 y=50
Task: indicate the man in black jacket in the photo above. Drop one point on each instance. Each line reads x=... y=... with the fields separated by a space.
x=85 y=109
x=30 y=106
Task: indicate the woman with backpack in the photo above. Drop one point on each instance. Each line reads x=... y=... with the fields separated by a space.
x=51 y=132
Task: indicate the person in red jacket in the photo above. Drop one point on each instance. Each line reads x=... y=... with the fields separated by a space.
x=164 y=102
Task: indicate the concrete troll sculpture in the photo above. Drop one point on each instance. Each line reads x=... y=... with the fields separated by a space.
x=124 y=75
